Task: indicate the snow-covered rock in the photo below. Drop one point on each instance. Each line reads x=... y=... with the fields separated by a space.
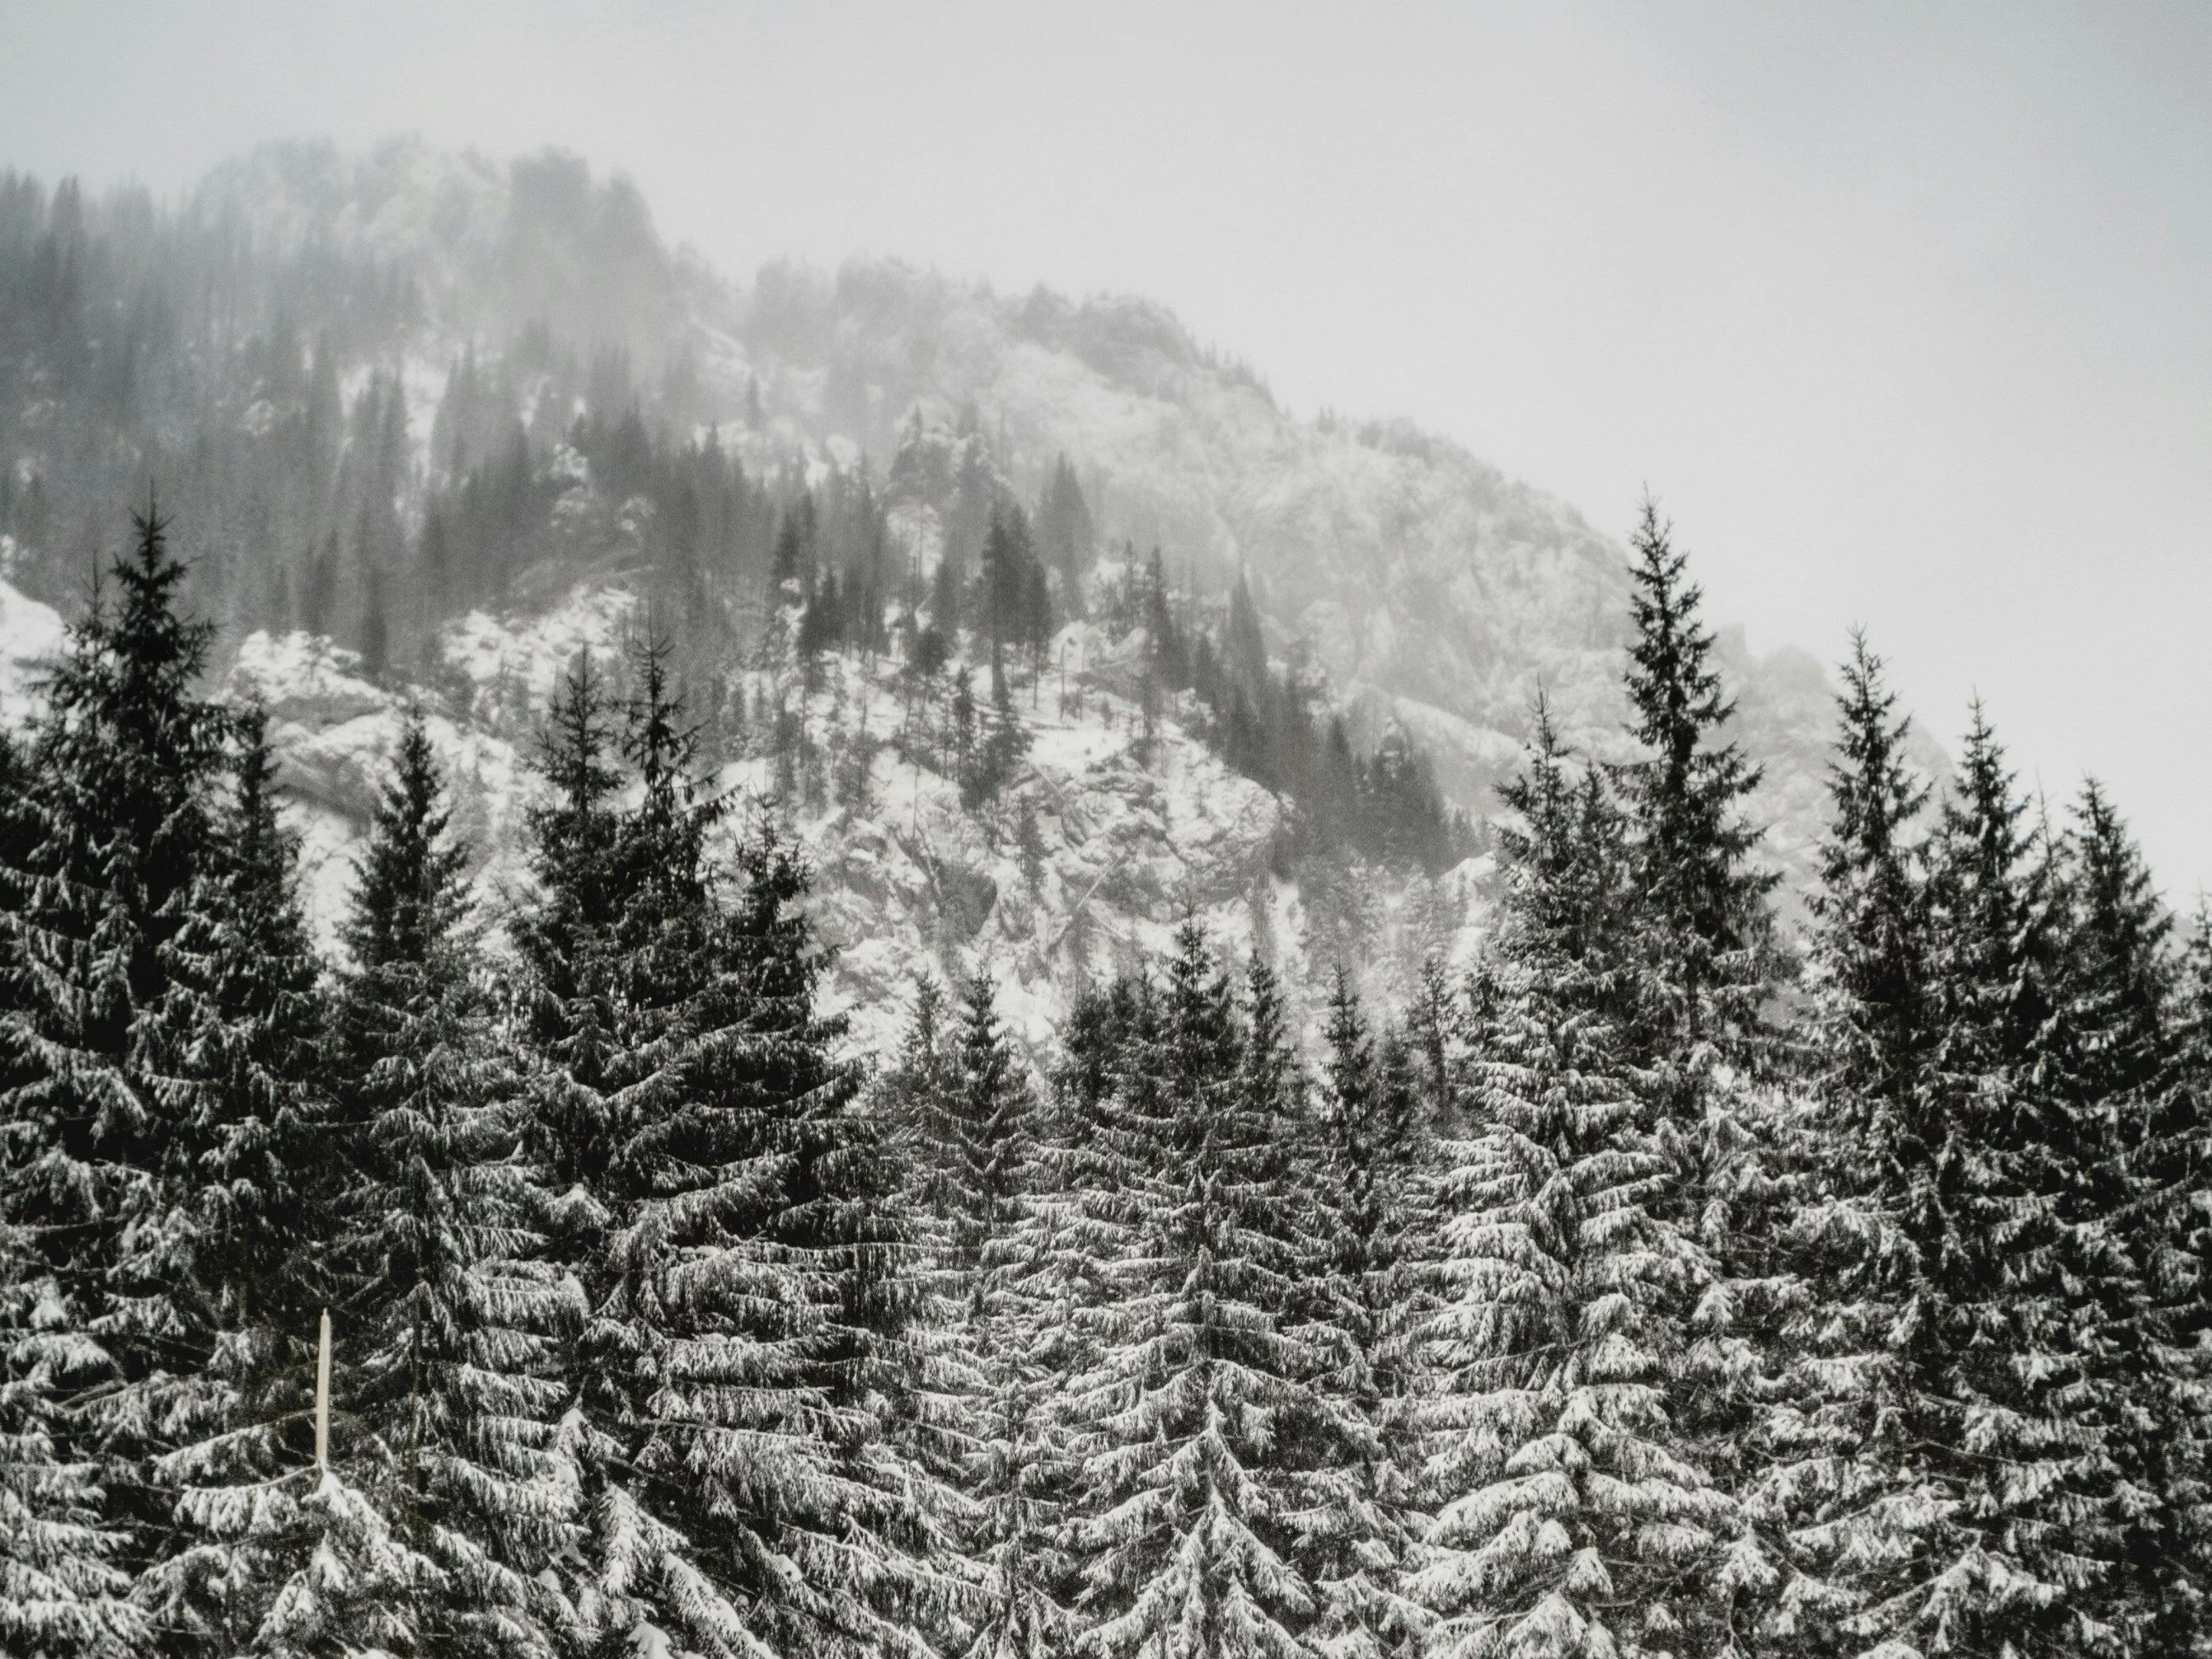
x=1084 y=866
x=31 y=634
x=1434 y=591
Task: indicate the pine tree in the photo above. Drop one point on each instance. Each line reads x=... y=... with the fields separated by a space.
x=795 y=1306
x=1835 y=1480
x=61 y=1595
x=2115 y=980
x=913 y=1100
x=634 y=1571
x=119 y=852
x=1870 y=911
x=253 y=1186
x=358 y=1591
x=998 y=1246
x=564 y=940
x=1064 y=528
x=746 y=1344
x=1366 y=1289
x=1691 y=979
x=1993 y=1529
x=1701 y=905
x=979 y=1140
x=1194 y=1505
x=453 y=1391
x=1003 y=747
x=1575 y=1519
x=1435 y=1032
x=2137 y=1150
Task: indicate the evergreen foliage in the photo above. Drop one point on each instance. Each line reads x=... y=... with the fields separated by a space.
x=1196 y=1505
x=1702 y=906
x=1647 y=1292
x=1574 y=1517
x=453 y=1396
x=1367 y=1291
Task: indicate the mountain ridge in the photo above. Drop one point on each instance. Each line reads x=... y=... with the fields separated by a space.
x=1184 y=445
x=1418 y=585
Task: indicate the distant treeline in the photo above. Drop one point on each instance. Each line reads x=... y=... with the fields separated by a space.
x=137 y=345
x=1646 y=1287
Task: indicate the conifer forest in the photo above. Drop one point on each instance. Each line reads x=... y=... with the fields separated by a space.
x=1700 y=1257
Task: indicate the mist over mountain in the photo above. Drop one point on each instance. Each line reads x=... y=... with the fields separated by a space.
x=897 y=974
x=332 y=365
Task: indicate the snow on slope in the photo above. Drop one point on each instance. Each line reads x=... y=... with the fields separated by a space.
x=31 y=634
x=1085 y=866
x=1431 y=587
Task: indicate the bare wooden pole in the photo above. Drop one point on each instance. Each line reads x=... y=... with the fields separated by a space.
x=323 y=1395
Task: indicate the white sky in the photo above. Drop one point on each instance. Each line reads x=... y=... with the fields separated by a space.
x=1903 y=311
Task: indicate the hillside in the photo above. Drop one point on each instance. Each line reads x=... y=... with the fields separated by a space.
x=1082 y=868
x=321 y=359
x=1431 y=588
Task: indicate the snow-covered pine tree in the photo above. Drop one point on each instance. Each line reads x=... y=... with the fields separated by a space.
x=358 y=1590
x=749 y=1300
x=1366 y=1288
x=790 y=1278
x=1836 y=1481
x=564 y=938
x=910 y=1100
x=252 y=1188
x=634 y=1573
x=978 y=1142
x=1705 y=931
x=1699 y=963
x=2005 y=1405
x=996 y=1254
x=62 y=1597
x=109 y=966
x=1195 y=1501
x=1870 y=962
x=2138 y=1144
x=1094 y=1157
x=452 y=1394
x=1574 y=1519
x=1435 y=1031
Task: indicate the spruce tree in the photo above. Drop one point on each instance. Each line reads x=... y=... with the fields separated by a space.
x=1367 y=1294
x=1871 y=919
x=1195 y=1505
x=2115 y=982
x=635 y=1571
x=119 y=852
x=1994 y=1526
x=911 y=1101
x=1691 y=983
x=746 y=1342
x=252 y=1191
x=1701 y=905
x=2137 y=1148
x=452 y=1391
x=793 y=1302
x=1836 y=1483
x=564 y=940
x=997 y=1249
x=1574 y=1518
x=62 y=1594
x=358 y=1590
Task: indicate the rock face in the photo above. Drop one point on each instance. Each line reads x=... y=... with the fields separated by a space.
x=1431 y=589
x=1419 y=586
x=1085 y=865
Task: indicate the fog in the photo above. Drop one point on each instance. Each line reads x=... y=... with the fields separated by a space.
x=1900 y=313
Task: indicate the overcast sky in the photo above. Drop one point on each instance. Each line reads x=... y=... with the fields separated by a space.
x=1905 y=311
